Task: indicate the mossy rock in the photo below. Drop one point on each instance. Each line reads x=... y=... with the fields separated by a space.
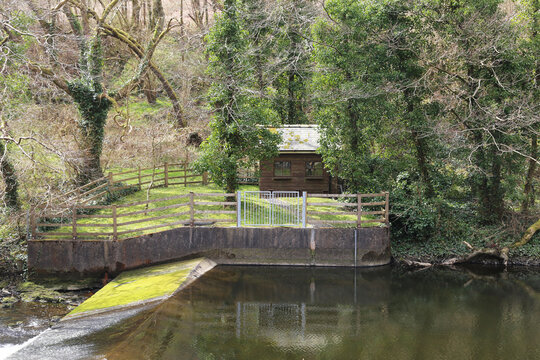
x=33 y=292
x=8 y=301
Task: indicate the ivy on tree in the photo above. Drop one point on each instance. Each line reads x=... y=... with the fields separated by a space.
x=240 y=136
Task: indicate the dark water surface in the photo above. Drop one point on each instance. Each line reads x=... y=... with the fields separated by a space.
x=323 y=313
x=261 y=313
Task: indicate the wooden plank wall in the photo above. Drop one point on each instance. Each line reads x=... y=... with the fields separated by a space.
x=297 y=181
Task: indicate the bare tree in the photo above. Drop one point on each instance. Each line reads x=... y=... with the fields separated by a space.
x=73 y=24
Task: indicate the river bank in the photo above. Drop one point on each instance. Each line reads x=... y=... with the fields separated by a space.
x=437 y=253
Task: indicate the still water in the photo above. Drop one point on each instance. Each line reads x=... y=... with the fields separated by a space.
x=273 y=313
x=324 y=313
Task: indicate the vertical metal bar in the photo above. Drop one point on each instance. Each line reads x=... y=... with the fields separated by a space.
x=272 y=208
x=238 y=209
x=355 y=245
x=304 y=210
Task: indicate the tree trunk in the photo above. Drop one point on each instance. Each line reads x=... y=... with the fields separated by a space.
x=528 y=234
x=93 y=110
x=149 y=91
x=528 y=191
x=90 y=168
x=421 y=158
x=11 y=183
x=420 y=144
x=291 y=102
x=135 y=15
x=496 y=197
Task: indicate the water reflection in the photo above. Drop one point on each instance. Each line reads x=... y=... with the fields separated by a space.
x=302 y=313
x=286 y=313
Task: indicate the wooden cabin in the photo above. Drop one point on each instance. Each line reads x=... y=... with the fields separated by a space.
x=298 y=167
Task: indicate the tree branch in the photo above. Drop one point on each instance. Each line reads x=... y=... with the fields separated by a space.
x=46 y=72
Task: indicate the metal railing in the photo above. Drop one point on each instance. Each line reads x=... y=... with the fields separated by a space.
x=271 y=208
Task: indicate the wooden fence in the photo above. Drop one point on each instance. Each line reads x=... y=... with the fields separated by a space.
x=139 y=178
x=113 y=222
x=363 y=214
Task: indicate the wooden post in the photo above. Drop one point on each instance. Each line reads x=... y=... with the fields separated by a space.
x=386 y=210
x=185 y=174
x=115 y=227
x=140 y=185
x=74 y=223
x=110 y=179
x=205 y=178
x=191 y=209
x=166 y=174
x=359 y=214
x=33 y=225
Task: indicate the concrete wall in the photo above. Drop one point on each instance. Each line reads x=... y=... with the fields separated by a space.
x=277 y=246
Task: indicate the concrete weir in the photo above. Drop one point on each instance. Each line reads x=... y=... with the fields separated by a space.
x=250 y=246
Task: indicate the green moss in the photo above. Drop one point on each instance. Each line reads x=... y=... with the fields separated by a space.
x=8 y=301
x=33 y=292
x=139 y=285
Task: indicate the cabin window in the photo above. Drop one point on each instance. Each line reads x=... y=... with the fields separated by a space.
x=314 y=168
x=282 y=168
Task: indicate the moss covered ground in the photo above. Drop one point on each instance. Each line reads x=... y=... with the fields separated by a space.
x=139 y=285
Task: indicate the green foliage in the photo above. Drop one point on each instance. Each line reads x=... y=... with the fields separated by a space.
x=239 y=138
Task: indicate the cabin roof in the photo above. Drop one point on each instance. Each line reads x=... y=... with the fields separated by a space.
x=299 y=138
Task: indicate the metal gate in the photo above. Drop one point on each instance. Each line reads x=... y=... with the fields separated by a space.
x=271 y=208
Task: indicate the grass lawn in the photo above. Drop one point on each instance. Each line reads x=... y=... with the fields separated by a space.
x=169 y=212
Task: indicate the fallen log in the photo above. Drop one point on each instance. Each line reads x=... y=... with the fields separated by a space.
x=412 y=263
x=528 y=234
x=495 y=253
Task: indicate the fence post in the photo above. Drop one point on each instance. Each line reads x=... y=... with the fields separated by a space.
x=191 y=209
x=304 y=208
x=386 y=210
x=115 y=225
x=205 y=178
x=33 y=225
x=359 y=215
x=110 y=179
x=74 y=222
x=166 y=174
x=238 y=209
x=185 y=174
x=140 y=185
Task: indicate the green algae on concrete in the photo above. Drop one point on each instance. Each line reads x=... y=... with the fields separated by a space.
x=139 y=286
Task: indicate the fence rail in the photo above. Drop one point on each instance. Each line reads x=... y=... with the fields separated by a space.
x=140 y=178
x=200 y=209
